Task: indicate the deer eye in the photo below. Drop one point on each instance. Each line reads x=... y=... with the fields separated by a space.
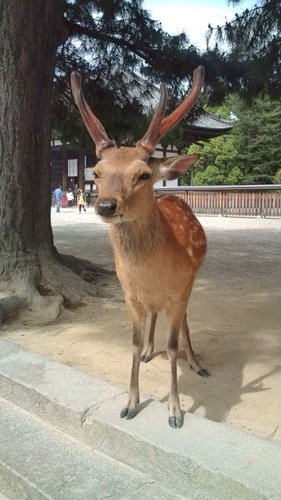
x=95 y=175
x=145 y=175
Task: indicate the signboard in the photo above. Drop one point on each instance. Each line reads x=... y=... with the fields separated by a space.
x=88 y=173
x=72 y=168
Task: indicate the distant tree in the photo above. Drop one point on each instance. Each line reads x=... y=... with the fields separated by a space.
x=123 y=54
x=251 y=153
x=259 y=132
x=219 y=153
x=211 y=176
x=254 y=42
x=277 y=177
x=235 y=176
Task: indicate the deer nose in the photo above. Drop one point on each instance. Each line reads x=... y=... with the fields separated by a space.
x=106 y=206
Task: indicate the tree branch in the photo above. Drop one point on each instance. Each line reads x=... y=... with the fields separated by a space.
x=241 y=16
x=77 y=29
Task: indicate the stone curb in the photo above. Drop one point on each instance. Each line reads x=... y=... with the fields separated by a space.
x=203 y=459
x=39 y=462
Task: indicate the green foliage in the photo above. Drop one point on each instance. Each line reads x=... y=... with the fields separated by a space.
x=217 y=162
x=251 y=154
x=277 y=177
x=123 y=53
x=259 y=133
x=235 y=176
x=254 y=41
x=210 y=177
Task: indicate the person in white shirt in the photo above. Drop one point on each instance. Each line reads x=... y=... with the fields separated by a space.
x=70 y=197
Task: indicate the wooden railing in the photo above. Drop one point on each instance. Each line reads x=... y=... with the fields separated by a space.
x=233 y=201
x=240 y=201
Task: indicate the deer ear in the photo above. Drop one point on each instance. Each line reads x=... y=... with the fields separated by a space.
x=174 y=167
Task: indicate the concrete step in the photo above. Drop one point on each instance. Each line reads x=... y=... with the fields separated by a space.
x=41 y=462
x=202 y=460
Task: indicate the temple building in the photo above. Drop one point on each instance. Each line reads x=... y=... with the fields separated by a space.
x=72 y=167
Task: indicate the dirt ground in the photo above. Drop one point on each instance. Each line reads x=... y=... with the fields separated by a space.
x=234 y=318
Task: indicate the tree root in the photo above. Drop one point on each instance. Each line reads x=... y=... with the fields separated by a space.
x=10 y=307
x=39 y=293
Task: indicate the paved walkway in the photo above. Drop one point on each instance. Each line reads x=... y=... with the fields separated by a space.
x=62 y=438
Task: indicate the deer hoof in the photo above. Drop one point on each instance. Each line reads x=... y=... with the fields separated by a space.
x=176 y=422
x=146 y=358
x=126 y=412
x=203 y=372
x=131 y=414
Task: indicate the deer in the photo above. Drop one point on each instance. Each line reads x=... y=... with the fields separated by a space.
x=158 y=243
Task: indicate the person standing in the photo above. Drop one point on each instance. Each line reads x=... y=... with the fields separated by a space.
x=81 y=200
x=58 y=198
x=70 y=198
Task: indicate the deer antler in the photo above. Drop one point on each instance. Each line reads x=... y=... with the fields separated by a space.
x=177 y=115
x=94 y=126
x=151 y=137
x=159 y=126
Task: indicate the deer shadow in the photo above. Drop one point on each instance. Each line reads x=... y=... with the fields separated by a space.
x=217 y=394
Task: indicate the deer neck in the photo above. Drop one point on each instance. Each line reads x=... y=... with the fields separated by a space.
x=137 y=240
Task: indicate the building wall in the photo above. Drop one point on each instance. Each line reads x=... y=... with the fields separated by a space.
x=68 y=164
x=72 y=167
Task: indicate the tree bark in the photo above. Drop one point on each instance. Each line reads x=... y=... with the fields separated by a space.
x=30 y=32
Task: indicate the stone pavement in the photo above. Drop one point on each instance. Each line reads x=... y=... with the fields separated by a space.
x=61 y=438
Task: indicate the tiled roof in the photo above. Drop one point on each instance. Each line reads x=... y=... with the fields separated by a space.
x=207 y=125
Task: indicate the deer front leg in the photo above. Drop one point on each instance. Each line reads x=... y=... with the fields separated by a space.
x=175 y=315
x=138 y=316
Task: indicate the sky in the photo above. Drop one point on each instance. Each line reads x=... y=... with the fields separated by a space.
x=193 y=16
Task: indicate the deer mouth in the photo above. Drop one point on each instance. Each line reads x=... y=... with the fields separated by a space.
x=112 y=219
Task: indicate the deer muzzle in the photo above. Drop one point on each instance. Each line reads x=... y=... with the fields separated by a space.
x=106 y=207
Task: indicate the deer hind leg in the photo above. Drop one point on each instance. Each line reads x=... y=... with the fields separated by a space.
x=149 y=348
x=138 y=316
x=194 y=365
x=175 y=317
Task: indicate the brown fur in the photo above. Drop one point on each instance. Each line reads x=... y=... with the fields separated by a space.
x=157 y=260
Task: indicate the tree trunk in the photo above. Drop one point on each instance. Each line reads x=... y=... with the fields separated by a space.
x=30 y=31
